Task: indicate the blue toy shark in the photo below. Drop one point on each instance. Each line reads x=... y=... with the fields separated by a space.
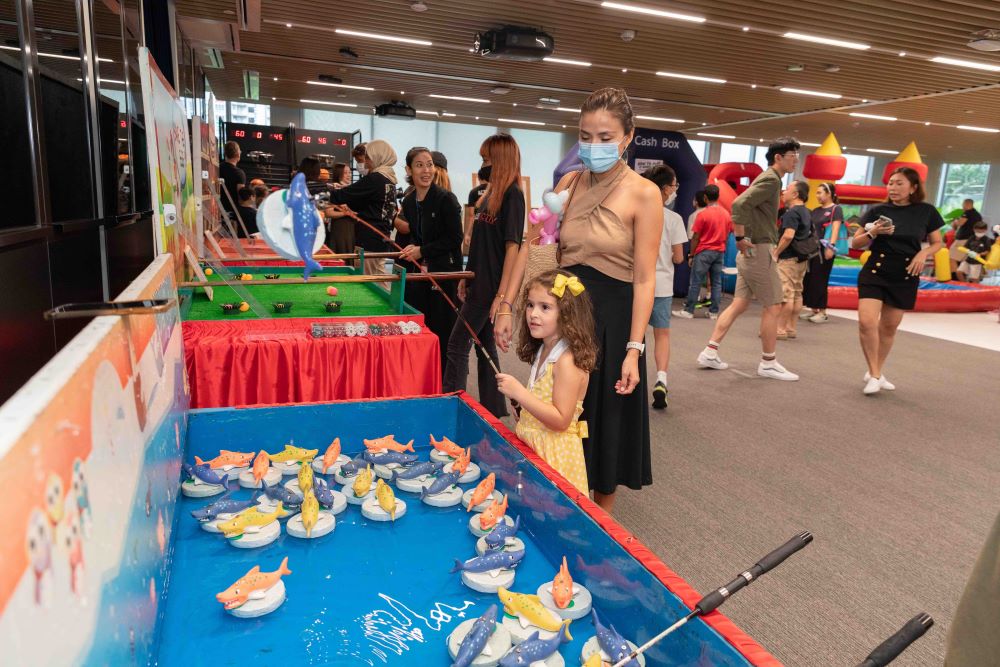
x=498 y=536
x=224 y=505
x=476 y=640
x=389 y=457
x=279 y=493
x=612 y=643
x=490 y=561
x=416 y=470
x=533 y=649
x=203 y=473
x=324 y=494
x=304 y=222
x=440 y=484
x=354 y=465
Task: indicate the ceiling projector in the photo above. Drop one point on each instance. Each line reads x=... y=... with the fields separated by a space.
x=513 y=43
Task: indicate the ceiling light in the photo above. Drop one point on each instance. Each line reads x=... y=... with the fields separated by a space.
x=387 y=38
x=864 y=101
x=872 y=116
x=828 y=41
x=814 y=93
x=418 y=6
x=662 y=120
x=515 y=103
x=60 y=56
x=653 y=12
x=567 y=109
x=332 y=104
x=449 y=115
x=460 y=99
x=288 y=25
x=564 y=127
x=675 y=75
x=113 y=81
x=965 y=63
x=337 y=85
x=273 y=98
x=624 y=71
x=973 y=128
x=716 y=136
x=523 y=122
x=477 y=117
x=753 y=85
x=881 y=150
x=902 y=54
x=565 y=61
x=806 y=143
x=927 y=123
x=427 y=113
x=275 y=78
x=746 y=28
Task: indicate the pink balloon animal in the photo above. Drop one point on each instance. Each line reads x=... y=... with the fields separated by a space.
x=548 y=215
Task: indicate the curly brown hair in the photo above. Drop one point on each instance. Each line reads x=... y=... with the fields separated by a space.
x=576 y=323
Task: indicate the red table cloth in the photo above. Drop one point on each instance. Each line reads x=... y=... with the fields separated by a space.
x=275 y=361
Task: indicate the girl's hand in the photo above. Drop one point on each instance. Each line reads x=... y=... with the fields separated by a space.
x=502 y=328
x=917 y=264
x=630 y=375
x=509 y=386
x=461 y=290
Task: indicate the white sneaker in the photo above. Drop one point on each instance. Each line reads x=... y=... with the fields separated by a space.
x=873 y=386
x=888 y=386
x=805 y=314
x=683 y=314
x=713 y=316
x=819 y=318
x=706 y=361
x=775 y=371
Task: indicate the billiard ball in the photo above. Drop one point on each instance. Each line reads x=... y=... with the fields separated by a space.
x=209 y=272
x=244 y=307
x=332 y=291
x=246 y=276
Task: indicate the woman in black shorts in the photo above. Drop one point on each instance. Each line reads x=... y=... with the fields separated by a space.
x=888 y=282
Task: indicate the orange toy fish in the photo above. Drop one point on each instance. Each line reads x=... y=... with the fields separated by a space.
x=331 y=454
x=260 y=466
x=562 y=586
x=462 y=462
x=251 y=586
x=227 y=460
x=493 y=513
x=446 y=446
x=483 y=491
x=389 y=442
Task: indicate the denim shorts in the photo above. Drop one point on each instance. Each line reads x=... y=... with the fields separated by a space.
x=660 y=317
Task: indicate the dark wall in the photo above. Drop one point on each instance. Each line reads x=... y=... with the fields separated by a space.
x=26 y=340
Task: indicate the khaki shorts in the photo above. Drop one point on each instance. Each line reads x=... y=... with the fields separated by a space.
x=757 y=276
x=791 y=271
x=972 y=270
x=954 y=252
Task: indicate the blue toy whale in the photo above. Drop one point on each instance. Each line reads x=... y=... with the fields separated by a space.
x=533 y=649
x=224 y=505
x=204 y=473
x=497 y=537
x=489 y=561
x=416 y=470
x=389 y=457
x=279 y=493
x=476 y=640
x=304 y=222
x=440 y=484
x=612 y=643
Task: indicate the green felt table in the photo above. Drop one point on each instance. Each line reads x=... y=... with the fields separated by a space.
x=359 y=299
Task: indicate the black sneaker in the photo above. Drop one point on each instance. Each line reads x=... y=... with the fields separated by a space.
x=660 y=396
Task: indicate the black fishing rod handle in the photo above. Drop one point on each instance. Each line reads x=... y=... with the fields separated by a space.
x=888 y=650
x=778 y=556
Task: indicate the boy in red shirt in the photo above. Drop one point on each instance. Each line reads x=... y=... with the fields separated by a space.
x=709 y=234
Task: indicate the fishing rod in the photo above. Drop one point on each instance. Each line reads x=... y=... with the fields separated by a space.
x=888 y=650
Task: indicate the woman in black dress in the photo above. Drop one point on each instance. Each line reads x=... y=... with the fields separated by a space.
x=888 y=282
x=828 y=216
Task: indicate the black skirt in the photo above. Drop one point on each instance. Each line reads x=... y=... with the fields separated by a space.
x=884 y=278
x=617 y=451
x=815 y=286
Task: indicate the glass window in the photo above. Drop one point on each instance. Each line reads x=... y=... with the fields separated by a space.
x=858 y=170
x=735 y=153
x=960 y=182
x=253 y=114
x=403 y=135
x=700 y=149
x=337 y=121
x=541 y=151
x=460 y=144
x=221 y=112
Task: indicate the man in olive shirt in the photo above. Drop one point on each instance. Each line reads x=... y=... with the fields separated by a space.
x=755 y=224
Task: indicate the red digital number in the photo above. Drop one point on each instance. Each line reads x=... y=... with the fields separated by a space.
x=277 y=136
x=258 y=135
x=305 y=139
x=122 y=123
x=322 y=140
x=239 y=133
x=341 y=142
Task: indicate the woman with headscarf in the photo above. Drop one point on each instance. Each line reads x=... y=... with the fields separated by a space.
x=373 y=198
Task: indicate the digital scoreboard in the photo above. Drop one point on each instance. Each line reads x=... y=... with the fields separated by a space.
x=289 y=145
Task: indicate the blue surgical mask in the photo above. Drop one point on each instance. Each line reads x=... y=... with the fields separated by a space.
x=598 y=158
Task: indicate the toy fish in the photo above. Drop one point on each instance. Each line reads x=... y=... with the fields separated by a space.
x=461 y=464
x=595 y=661
x=440 y=483
x=386 y=498
x=491 y=561
x=251 y=586
x=562 y=586
x=228 y=460
x=306 y=478
x=261 y=465
x=499 y=535
x=483 y=491
x=606 y=573
x=363 y=482
x=389 y=457
x=331 y=454
x=529 y=610
x=414 y=471
x=224 y=505
x=202 y=474
x=479 y=635
x=249 y=520
x=310 y=511
x=389 y=442
x=324 y=494
x=280 y=494
x=305 y=222
x=534 y=650
x=612 y=643
x=493 y=513
x=446 y=446
x=354 y=466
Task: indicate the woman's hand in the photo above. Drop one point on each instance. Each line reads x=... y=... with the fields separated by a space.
x=917 y=264
x=461 y=290
x=509 y=386
x=829 y=253
x=630 y=374
x=411 y=253
x=503 y=329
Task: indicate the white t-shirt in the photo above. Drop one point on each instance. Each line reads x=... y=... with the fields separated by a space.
x=673 y=234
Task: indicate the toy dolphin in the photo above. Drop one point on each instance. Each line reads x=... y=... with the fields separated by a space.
x=491 y=561
x=416 y=470
x=363 y=482
x=202 y=474
x=227 y=460
x=249 y=520
x=354 y=466
x=251 y=586
x=324 y=494
x=310 y=511
x=446 y=446
x=462 y=462
x=331 y=454
x=306 y=478
x=261 y=465
x=493 y=513
x=440 y=483
x=389 y=442
x=612 y=643
x=386 y=498
x=562 y=586
x=293 y=453
x=476 y=640
x=280 y=494
x=389 y=457
x=499 y=535
x=529 y=609
x=224 y=505
x=304 y=223
x=534 y=650
x=483 y=491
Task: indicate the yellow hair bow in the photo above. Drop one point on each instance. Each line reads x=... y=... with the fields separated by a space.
x=563 y=281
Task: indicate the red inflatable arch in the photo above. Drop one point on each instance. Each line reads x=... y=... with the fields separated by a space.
x=722 y=174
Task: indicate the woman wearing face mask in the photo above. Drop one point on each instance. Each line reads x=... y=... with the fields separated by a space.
x=888 y=282
x=475 y=194
x=435 y=226
x=827 y=219
x=609 y=238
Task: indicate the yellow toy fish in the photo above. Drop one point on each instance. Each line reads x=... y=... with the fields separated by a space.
x=595 y=661
x=363 y=482
x=386 y=498
x=249 y=520
x=310 y=510
x=306 y=478
x=529 y=610
x=293 y=453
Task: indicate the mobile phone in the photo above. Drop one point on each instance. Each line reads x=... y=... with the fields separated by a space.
x=885 y=221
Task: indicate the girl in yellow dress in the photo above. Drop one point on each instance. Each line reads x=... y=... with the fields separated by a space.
x=557 y=335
